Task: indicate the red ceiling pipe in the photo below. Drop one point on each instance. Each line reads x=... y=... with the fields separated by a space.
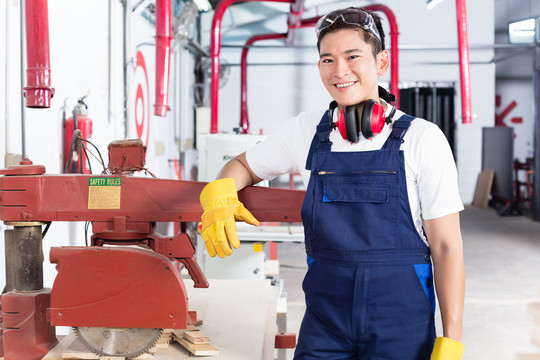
x=38 y=90
x=163 y=55
x=215 y=48
x=394 y=56
x=244 y=118
x=464 y=62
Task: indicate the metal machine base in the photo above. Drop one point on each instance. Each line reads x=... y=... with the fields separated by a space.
x=26 y=332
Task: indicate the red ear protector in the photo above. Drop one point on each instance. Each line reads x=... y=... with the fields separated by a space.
x=369 y=124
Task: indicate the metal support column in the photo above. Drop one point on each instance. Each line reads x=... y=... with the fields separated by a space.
x=24 y=258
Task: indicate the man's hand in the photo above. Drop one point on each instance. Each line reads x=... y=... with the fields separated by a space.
x=219 y=200
x=447 y=349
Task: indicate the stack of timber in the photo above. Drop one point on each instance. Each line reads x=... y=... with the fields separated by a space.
x=195 y=342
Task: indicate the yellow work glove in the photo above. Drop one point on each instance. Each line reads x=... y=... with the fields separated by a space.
x=447 y=349
x=221 y=208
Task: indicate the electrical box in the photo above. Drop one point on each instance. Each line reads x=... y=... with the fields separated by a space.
x=246 y=262
x=215 y=150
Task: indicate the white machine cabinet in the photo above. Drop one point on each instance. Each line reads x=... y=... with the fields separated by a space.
x=247 y=262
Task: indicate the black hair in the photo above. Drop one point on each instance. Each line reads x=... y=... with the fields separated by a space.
x=376 y=45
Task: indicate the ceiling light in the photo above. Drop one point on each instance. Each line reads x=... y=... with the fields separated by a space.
x=203 y=5
x=432 y=3
x=523 y=31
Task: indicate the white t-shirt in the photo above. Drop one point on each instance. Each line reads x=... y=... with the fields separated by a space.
x=430 y=169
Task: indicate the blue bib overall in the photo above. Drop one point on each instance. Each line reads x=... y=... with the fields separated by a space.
x=369 y=288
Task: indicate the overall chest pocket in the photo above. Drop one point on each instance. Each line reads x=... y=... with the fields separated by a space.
x=356 y=212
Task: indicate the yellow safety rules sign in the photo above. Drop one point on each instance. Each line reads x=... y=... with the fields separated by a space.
x=104 y=192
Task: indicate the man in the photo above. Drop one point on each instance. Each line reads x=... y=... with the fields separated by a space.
x=381 y=203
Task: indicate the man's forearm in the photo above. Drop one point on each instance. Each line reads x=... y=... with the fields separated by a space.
x=444 y=237
x=450 y=285
x=239 y=170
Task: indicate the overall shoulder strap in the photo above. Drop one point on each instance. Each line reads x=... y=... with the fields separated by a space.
x=399 y=129
x=321 y=139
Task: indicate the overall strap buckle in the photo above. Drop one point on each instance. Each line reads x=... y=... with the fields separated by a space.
x=321 y=140
x=399 y=129
x=323 y=132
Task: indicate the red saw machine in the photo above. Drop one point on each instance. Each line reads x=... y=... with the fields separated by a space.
x=118 y=298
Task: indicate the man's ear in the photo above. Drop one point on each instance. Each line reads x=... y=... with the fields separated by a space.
x=319 y=64
x=383 y=62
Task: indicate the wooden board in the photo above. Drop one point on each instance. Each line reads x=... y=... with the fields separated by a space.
x=198 y=349
x=56 y=352
x=196 y=337
x=163 y=342
x=76 y=350
x=483 y=188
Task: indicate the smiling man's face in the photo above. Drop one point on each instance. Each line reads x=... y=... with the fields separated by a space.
x=348 y=69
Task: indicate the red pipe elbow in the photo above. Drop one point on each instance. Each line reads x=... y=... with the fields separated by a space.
x=163 y=55
x=215 y=48
x=38 y=90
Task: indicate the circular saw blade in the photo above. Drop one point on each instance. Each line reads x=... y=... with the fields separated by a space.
x=126 y=342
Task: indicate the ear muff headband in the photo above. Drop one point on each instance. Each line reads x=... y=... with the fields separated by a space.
x=351 y=123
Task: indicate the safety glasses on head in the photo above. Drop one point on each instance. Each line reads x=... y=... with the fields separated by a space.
x=352 y=16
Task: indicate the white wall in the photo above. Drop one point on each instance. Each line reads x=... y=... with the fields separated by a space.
x=278 y=92
x=10 y=79
x=3 y=71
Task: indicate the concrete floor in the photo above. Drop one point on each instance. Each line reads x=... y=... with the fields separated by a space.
x=502 y=260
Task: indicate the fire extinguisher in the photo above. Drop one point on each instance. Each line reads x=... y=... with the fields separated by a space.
x=78 y=121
